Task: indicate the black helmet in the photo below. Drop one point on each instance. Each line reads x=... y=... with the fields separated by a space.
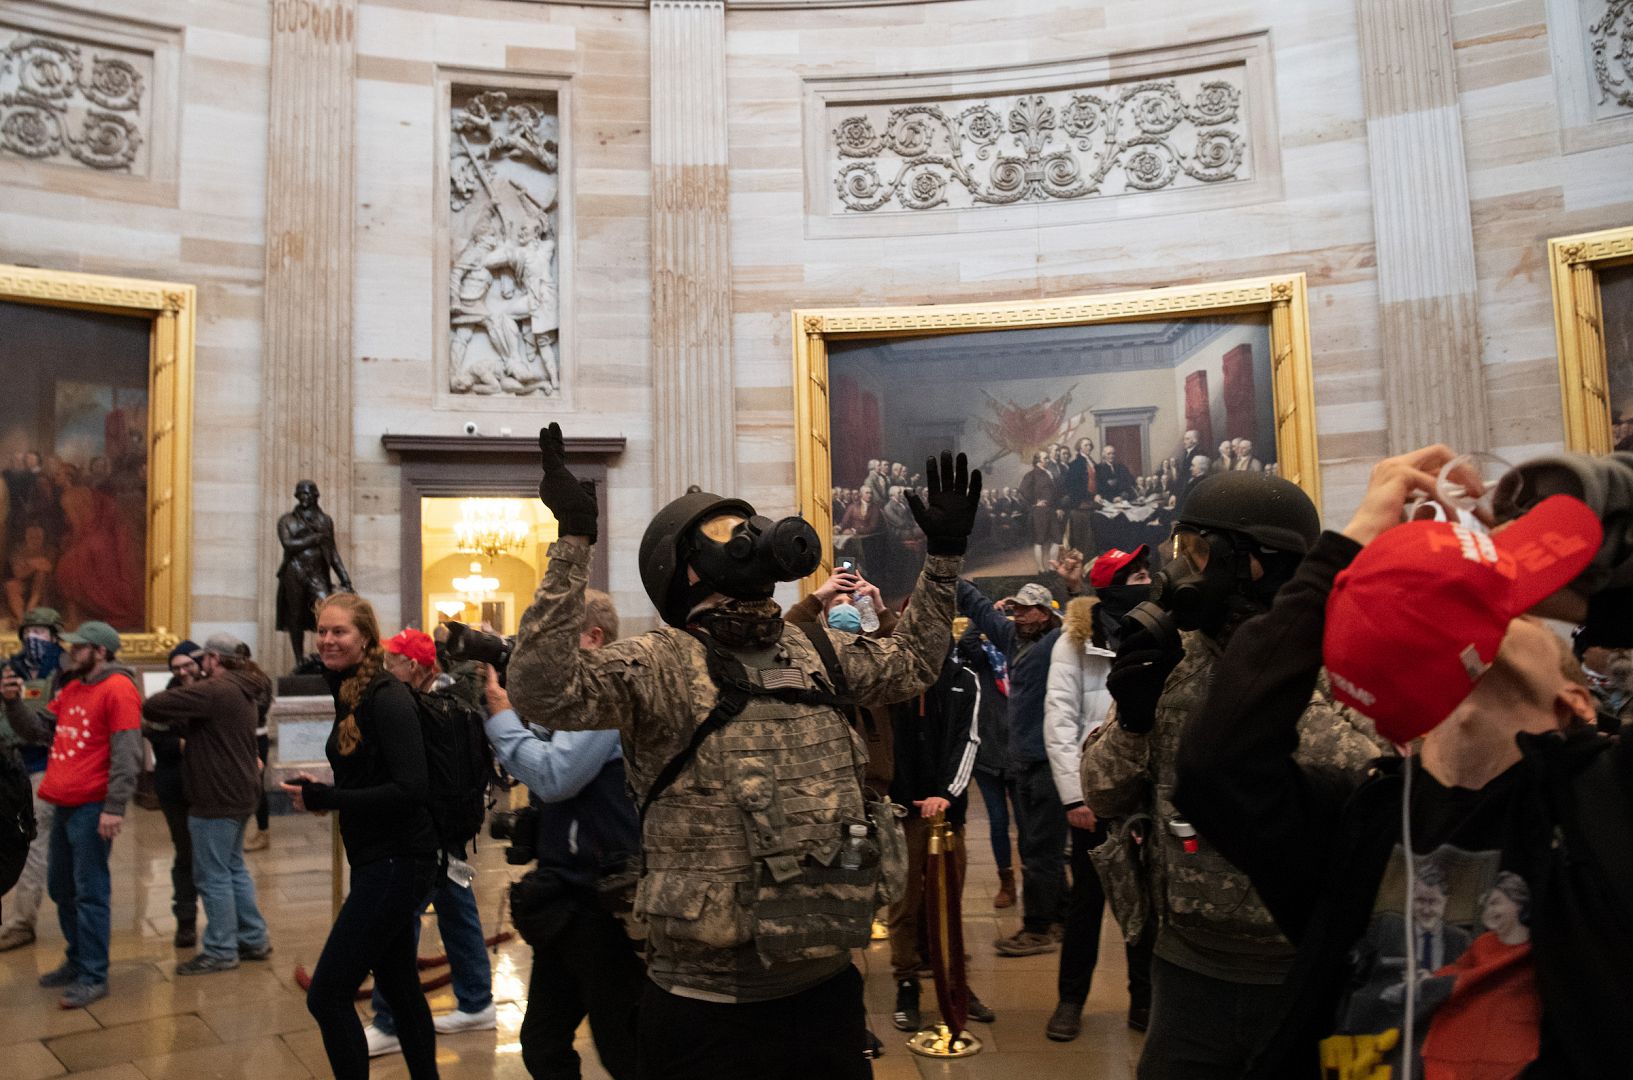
x=661 y=556
x=1274 y=512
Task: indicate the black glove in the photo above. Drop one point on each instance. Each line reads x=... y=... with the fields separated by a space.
x=1136 y=680
x=953 y=498
x=572 y=500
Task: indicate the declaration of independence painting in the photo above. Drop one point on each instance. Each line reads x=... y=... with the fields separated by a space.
x=1088 y=436
x=73 y=443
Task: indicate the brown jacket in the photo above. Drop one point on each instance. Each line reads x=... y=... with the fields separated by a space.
x=217 y=717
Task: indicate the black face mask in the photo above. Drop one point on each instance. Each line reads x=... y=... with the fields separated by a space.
x=747 y=562
x=1116 y=601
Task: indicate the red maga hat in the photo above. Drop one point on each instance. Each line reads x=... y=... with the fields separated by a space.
x=1110 y=563
x=416 y=645
x=1418 y=617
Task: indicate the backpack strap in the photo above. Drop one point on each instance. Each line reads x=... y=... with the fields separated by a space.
x=824 y=646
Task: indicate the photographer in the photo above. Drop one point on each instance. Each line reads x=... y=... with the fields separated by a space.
x=1518 y=809
x=1218 y=957
x=584 y=826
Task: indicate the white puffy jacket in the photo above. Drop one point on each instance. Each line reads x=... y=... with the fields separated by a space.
x=1075 y=705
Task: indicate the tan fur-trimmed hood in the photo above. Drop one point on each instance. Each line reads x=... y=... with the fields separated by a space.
x=1078 y=624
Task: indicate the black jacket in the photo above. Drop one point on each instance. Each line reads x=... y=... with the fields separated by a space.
x=935 y=735
x=592 y=834
x=382 y=788
x=1316 y=843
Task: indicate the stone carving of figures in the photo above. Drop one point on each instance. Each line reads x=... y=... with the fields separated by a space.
x=505 y=309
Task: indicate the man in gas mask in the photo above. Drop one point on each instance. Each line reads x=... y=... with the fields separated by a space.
x=1218 y=958
x=763 y=860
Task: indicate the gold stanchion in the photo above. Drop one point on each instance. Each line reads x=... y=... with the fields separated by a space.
x=337 y=867
x=944 y=923
x=938 y=1041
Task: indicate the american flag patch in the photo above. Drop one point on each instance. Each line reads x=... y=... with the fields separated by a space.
x=782 y=678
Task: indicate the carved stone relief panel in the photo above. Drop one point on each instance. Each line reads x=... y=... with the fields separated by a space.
x=1073 y=143
x=1609 y=32
x=503 y=228
x=1174 y=129
x=68 y=102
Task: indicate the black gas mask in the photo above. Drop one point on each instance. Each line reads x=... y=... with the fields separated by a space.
x=1221 y=595
x=744 y=558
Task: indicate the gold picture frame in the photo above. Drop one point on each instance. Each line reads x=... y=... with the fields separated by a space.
x=1282 y=298
x=170 y=309
x=1575 y=263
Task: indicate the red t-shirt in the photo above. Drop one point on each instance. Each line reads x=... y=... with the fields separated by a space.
x=87 y=717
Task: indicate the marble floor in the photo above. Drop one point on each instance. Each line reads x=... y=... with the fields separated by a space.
x=253 y=1022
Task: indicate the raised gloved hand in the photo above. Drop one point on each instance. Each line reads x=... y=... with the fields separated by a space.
x=948 y=515
x=1136 y=680
x=572 y=500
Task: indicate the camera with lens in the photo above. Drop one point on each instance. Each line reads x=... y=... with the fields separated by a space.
x=468 y=643
x=521 y=829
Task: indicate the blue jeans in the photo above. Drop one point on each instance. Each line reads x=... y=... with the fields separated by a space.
x=76 y=876
x=461 y=927
x=224 y=884
x=995 y=794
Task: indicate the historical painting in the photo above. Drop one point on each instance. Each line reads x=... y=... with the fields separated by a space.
x=1593 y=318
x=1616 y=300
x=503 y=227
x=73 y=435
x=1090 y=434
x=86 y=530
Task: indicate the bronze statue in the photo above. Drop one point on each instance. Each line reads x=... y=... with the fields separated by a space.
x=308 y=538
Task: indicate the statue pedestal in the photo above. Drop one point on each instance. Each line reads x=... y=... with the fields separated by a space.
x=299 y=726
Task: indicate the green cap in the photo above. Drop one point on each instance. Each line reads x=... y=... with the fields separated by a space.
x=94 y=633
x=42 y=616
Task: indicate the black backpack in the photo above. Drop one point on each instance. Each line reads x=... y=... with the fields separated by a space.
x=16 y=817
x=460 y=765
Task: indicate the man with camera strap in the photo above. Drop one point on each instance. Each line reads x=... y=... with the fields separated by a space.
x=581 y=827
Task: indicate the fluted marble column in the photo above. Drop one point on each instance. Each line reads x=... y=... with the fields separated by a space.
x=1433 y=382
x=306 y=382
x=694 y=441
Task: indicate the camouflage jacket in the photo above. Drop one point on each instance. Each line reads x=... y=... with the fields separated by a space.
x=1209 y=919
x=706 y=845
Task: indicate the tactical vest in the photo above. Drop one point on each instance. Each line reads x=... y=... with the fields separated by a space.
x=1201 y=890
x=744 y=844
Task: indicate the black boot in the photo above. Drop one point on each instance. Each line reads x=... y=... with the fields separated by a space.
x=186 y=935
x=979 y=1012
x=906 y=1017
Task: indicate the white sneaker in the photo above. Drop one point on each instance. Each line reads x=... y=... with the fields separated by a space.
x=380 y=1043
x=486 y=1020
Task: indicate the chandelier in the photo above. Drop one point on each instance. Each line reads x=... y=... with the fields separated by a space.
x=490 y=527
x=476 y=588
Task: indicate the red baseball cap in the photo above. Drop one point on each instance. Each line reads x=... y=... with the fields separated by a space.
x=1110 y=563
x=416 y=645
x=1417 y=618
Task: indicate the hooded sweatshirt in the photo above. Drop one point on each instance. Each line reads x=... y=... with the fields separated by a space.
x=96 y=750
x=217 y=716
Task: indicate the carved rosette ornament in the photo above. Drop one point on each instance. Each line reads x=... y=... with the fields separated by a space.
x=1064 y=145
x=60 y=100
x=504 y=305
x=1610 y=38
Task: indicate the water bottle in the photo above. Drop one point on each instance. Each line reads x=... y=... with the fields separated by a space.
x=851 y=857
x=864 y=608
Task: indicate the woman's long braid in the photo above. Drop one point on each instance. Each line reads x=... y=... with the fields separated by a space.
x=351 y=691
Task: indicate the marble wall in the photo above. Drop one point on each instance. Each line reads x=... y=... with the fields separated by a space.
x=196 y=215
x=1539 y=162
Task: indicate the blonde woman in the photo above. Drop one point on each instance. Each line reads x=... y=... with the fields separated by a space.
x=380 y=791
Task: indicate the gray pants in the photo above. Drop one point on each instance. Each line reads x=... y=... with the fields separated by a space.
x=22 y=904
